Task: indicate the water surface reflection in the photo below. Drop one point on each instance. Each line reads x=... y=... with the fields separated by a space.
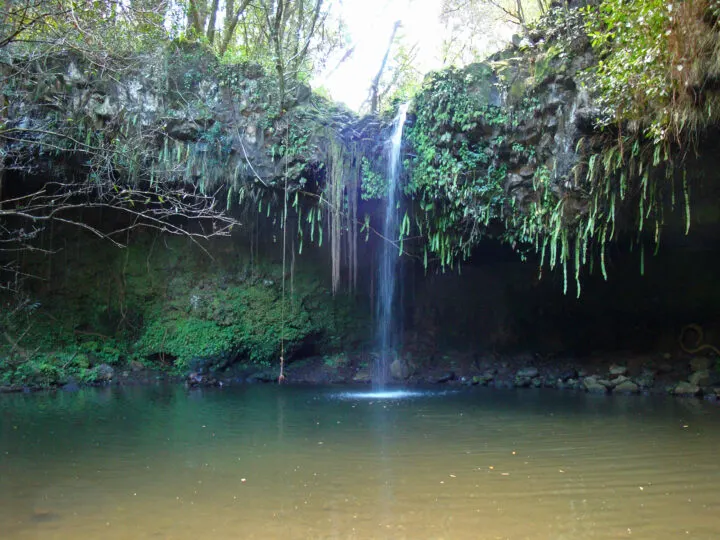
x=282 y=462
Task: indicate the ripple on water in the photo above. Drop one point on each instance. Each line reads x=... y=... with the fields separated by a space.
x=388 y=394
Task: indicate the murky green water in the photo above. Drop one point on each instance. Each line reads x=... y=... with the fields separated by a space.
x=301 y=463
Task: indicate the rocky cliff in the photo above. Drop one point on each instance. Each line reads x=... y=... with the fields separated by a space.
x=515 y=150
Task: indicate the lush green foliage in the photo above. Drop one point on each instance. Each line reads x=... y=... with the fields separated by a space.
x=656 y=59
x=455 y=182
x=656 y=84
x=374 y=185
x=158 y=304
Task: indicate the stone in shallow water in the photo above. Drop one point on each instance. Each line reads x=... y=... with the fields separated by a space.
x=700 y=378
x=593 y=385
x=136 y=366
x=104 y=373
x=71 y=386
x=646 y=379
x=522 y=382
x=43 y=515
x=483 y=379
x=362 y=376
x=685 y=388
x=627 y=387
x=445 y=377
x=399 y=369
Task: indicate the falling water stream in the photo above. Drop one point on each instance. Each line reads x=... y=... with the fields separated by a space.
x=386 y=324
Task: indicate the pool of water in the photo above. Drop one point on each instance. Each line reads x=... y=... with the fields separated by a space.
x=303 y=463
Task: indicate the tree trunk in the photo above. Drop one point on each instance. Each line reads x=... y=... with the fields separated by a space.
x=196 y=18
x=231 y=21
x=520 y=12
x=211 y=23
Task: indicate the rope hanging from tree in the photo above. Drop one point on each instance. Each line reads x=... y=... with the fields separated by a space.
x=281 y=377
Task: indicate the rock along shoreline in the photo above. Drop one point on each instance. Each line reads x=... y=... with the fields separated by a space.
x=696 y=377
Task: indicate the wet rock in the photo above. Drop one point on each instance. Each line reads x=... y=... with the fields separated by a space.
x=71 y=385
x=524 y=378
x=182 y=129
x=362 y=376
x=618 y=380
x=104 y=373
x=568 y=374
x=594 y=386
x=700 y=378
x=483 y=379
x=527 y=171
x=646 y=378
x=195 y=379
x=528 y=372
x=617 y=370
x=264 y=377
x=136 y=366
x=399 y=369
x=445 y=377
x=627 y=387
x=515 y=181
x=686 y=389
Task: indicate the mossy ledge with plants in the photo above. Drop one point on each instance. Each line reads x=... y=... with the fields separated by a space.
x=584 y=134
x=581 y=136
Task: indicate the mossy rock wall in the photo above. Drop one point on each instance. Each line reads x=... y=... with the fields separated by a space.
x=170 y=303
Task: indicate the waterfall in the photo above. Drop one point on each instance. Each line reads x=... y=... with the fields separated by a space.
x=386 y=324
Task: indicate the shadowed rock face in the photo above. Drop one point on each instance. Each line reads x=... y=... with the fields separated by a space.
x=188 y=108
